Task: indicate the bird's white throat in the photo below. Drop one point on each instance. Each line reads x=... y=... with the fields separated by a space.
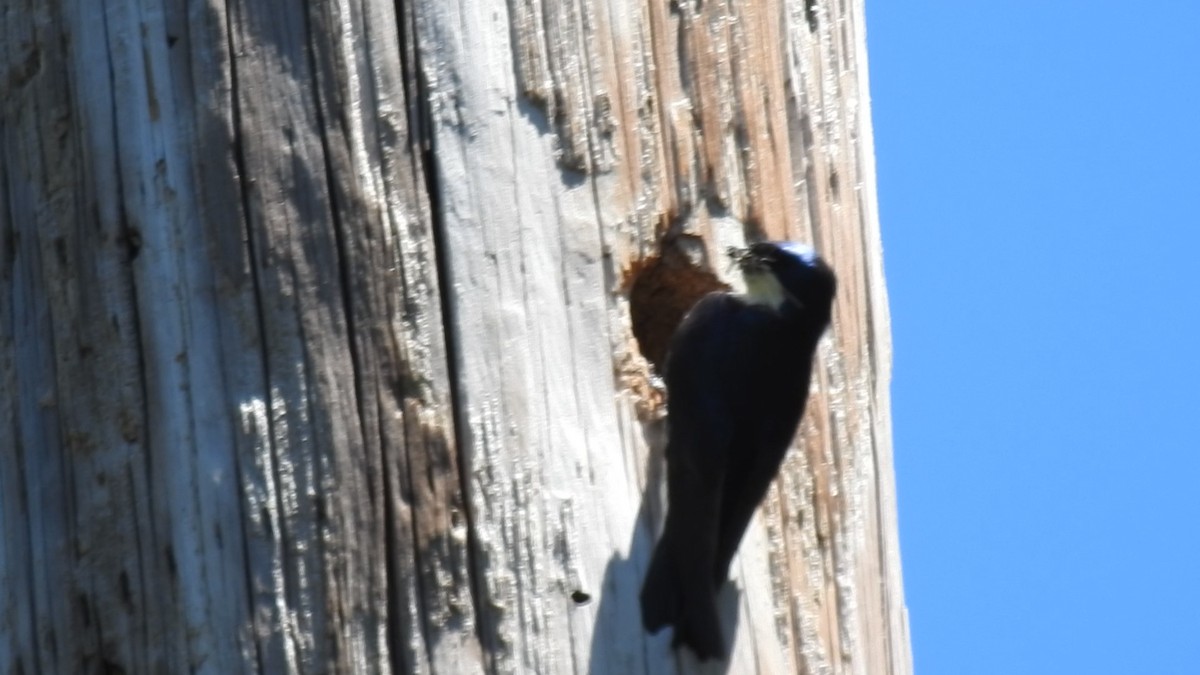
x=762 y=288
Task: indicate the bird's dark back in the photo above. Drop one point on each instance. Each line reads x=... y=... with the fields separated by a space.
x=743 y=361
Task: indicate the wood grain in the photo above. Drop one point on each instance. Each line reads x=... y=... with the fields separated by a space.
x=316 y=331
x=572 y=141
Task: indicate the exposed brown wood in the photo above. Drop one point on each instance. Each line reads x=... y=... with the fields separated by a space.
x=317 y=331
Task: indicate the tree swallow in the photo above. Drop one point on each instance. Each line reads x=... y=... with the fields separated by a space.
x=737 y=376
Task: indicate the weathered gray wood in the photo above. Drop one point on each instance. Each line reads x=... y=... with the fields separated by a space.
x=228 y=440
x=315 y=331
x=567 y=135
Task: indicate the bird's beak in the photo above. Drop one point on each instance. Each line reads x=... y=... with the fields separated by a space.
x=746 y=261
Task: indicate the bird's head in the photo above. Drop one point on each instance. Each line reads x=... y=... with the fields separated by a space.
x=783 y=274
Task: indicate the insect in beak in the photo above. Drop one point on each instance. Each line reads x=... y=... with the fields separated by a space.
x=745 y=260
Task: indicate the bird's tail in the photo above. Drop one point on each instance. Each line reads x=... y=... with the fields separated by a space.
x=660 y=592
x=668 y=598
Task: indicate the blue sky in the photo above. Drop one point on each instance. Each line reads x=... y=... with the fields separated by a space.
x=1039 y=182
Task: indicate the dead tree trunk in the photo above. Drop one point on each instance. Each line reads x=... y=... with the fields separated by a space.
x=327 y=331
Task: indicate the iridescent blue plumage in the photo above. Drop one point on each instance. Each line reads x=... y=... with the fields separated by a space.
x=802 y=252
x=737 y=377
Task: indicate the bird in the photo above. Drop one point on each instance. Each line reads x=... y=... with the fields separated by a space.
x=738 y=372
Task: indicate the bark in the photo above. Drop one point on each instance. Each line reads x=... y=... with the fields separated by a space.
x=328 y=331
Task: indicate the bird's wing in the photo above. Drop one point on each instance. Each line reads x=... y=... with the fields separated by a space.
x=699 y=356
x=679 y=586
